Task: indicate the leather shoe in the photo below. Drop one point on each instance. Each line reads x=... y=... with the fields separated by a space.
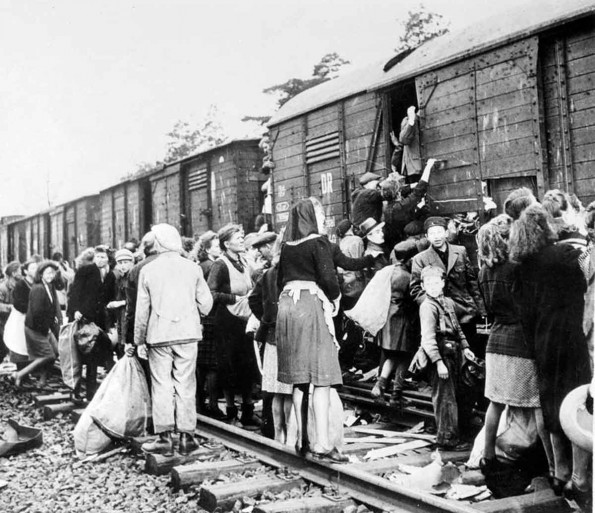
x=333 y=455
x=162 y=445
x=187 y=444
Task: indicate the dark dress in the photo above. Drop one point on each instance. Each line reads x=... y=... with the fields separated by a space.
x=550 y=288
x=305 y=343
x=207 y=349
x=511 y=374
x=236 y=361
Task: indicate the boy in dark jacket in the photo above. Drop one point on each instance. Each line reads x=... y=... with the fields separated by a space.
x=445 y=344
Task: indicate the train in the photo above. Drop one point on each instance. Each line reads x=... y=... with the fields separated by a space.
x=197 y=193
x=504 y=103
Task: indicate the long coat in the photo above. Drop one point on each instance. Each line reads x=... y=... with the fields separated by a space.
x=461 y=281
x=89 y=295
x=43 y=315
x=549 y=289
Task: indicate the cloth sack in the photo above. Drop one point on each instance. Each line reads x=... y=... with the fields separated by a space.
x=371 y=310
x=14 y=333
x=241 y=308
x=70 y=360
x=123 y=405
x=86 y=337
x=88 y=436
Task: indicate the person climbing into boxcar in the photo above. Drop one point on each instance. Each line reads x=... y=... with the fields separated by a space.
x=207 y=250
x=366 y=200
x=11 y=274
x=399 y=339
x=306 y=344
x=124 y=263
x=230 y=284
x=263 y=303
x=461 y=278
x=409 y=141
x=550 y=289
x=444 y=342
x=401 y=209
x=94 y=286
x=42 y=324
x=172 y=294
x=511 y=372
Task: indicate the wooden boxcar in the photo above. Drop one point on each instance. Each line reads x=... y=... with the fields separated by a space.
x=207 y=190
x=75 y=226
x=125 y=211
x=508 y=102
x=6 y=245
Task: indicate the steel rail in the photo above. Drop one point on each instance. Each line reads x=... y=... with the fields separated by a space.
x=362 y=486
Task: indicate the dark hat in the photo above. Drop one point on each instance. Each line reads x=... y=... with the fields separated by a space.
x=435 y=221
x=415 y=227
x=473 y=372
x=368 y=225
x=45 y=264
x=264 y=238
x=368 y=177
x=405 y=250
x=342 y=228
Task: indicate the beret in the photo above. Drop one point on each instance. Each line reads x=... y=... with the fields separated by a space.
x=368 y=177
x=264 y=238
x=405 y=250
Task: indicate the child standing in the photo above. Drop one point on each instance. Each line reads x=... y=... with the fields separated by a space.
x=445 y=344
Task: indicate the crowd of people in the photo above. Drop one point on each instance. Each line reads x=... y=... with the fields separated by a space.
x=231 y=315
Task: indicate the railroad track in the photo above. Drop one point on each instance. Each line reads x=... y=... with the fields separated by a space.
x=236 y=467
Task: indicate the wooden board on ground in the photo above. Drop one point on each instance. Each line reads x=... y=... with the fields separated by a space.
x=396 y=449
x=417 y=460
x=183 y=476
x=224 y=495
x=543 y=501
x=395 y=434
x=42 y=400
x=373 y=440
x=305 y=505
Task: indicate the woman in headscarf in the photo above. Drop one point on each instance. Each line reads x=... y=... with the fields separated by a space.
x=230 y=284
x=550 y=287
x=306 y=343
x=42 y=323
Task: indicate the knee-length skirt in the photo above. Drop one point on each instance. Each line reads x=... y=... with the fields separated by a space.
x=306 y=350
x=270 y=371
x=40 y=345
x=512 y=380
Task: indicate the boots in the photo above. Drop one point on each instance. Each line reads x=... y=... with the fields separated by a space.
x=247 y=419
x=378 y=390
x=187 y=444
x=162 y=445
x=231 y=414
x=397 y=400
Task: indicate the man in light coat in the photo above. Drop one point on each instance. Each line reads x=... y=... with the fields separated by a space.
x=172 y=293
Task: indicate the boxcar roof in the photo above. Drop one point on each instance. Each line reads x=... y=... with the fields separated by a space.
x=526 y=19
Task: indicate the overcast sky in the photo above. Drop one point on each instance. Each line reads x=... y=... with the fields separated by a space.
x=88 y=90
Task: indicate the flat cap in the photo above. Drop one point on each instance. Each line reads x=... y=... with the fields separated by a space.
x=368 y=177
x=264 y=238
x=435 y=221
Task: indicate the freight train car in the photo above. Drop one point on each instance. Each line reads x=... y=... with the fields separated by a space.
x=126 y=211
x=6 y=244
x=209 y=189
x=505 y=103
x=74 y=226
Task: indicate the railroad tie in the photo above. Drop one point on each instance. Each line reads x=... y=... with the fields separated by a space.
x=224 y=495
x=182 y=476
x=158 y=464
x=306 y=505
